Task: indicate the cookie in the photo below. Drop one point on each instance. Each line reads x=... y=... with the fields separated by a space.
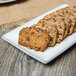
x=71 y=17
x=72 y=24
x=69 y=9
x=58 y=24
x=59 y=17
x=52 y=31
x=34 y=38
x=72 y=10
x=75 y=26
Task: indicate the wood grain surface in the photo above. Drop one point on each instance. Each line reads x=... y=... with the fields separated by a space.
x=13 y=62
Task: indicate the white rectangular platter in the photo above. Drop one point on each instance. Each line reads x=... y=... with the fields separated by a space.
x=51 y=52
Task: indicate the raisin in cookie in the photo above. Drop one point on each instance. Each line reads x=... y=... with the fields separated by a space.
x=34 y=38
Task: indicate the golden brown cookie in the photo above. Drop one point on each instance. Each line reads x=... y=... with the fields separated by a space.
x=70 y=16
x=59 y=17
x=69 y=12
x=52 y=31
x=58 y=24
x=34 y=38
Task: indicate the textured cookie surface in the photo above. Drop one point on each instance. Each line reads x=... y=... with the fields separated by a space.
x=59 y=17
x=58 y=24
x=69 y=12
x=66 y=23
x=72 y=11
x=72 y=22
x=52 y=31
x=34 y=38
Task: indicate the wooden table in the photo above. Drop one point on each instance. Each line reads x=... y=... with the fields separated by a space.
x=13 y=62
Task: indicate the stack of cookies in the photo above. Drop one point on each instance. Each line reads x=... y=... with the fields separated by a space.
x=52 y=29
